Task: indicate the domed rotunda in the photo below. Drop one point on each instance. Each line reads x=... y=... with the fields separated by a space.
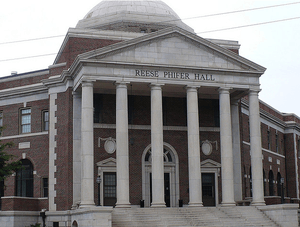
x=134 y=16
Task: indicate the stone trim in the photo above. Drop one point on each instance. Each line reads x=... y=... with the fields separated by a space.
x=52 y=151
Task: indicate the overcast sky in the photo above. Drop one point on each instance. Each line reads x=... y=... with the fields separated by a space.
x=276 y=46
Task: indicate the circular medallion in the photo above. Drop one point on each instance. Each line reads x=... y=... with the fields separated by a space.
x=206 y=147
x=110 y=146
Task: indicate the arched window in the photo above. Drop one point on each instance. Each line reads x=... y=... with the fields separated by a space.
x=278 y=184
x=168 y=156
x=24 y=179
x=271 y=183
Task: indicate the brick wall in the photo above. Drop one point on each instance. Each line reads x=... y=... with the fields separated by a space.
x=76 y=46
x=64 y=151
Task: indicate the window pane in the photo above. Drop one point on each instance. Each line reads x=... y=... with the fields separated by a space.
x=26 y=111
x=26 y=119
x=45 y=121
x=26 y=128
x=46 y=116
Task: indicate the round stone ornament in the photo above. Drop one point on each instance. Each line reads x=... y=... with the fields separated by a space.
x=206 y=147
x=110 y=146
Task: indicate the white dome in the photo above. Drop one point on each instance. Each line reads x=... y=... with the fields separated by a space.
x=137 y=11
x=107 y=7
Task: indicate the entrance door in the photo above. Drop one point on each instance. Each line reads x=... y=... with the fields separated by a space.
x=109 y=189
x=166 y=189
x=208 y=189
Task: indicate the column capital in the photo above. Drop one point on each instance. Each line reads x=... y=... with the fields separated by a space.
x=234 y=102
x=192 y=87
x=87 y=83
x=223 y=90
x=254 y=91
x=121 y=83
x=156 y=85
x=76 y=94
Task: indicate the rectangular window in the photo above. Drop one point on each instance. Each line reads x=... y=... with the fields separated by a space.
x=276 y=142
x=269 y=140
x=45 y=120
x=45 y=187
x=25 y=120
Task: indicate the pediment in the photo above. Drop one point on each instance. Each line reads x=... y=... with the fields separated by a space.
x=173 y=47
x=107 y=162
x=208 y=163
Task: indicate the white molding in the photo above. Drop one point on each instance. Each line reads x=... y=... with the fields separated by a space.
x=271 y=152
x=24 y=135
x=165 y=128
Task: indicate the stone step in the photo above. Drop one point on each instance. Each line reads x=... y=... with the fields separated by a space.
x=187 y=217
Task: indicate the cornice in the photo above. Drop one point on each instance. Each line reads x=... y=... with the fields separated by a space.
x=58 y=80
x=33 y=89
x=285 y=125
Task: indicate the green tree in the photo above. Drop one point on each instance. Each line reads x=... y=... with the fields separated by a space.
x=7 y=166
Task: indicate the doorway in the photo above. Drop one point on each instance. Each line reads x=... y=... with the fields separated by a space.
x=110 y=188
x=208 y=189
x=171 y=176
x=167 y=194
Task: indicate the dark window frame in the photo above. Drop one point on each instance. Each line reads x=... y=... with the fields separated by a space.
x=23 y=122
x=45 y=120
x=25 y=179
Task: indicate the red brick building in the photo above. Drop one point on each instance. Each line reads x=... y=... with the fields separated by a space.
x=162 y=116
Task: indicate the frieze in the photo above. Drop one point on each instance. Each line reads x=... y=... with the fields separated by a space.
x=174 y=75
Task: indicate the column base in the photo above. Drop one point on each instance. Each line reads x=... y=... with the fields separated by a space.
x=259 y=203
x=128 y=205
x=196 y=204
x=86 y=205
x=228 y=204
x=158 y=205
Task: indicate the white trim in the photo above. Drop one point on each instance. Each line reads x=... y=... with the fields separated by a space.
x=107 y=165
x=165 y=128
x=213 y=167
x=52 y=151
x=24 y=135
x=271 y=152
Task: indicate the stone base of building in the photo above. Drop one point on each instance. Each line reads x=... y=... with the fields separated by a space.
x=87 y=217
x=286 y=215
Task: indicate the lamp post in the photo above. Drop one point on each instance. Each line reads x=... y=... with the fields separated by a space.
x=98 y=180
x=43 y=215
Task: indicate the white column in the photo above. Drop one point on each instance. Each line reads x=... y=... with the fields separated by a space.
x=122 y=146
x=76 y=149
x=236 y=147
x=195 y=184
x=226 y=148
x=256 y=150
x=157 y=147
x=87 y=146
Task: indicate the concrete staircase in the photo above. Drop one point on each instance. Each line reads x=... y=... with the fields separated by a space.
x=202 y=216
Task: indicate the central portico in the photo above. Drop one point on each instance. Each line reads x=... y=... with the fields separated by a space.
x=169 y=63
